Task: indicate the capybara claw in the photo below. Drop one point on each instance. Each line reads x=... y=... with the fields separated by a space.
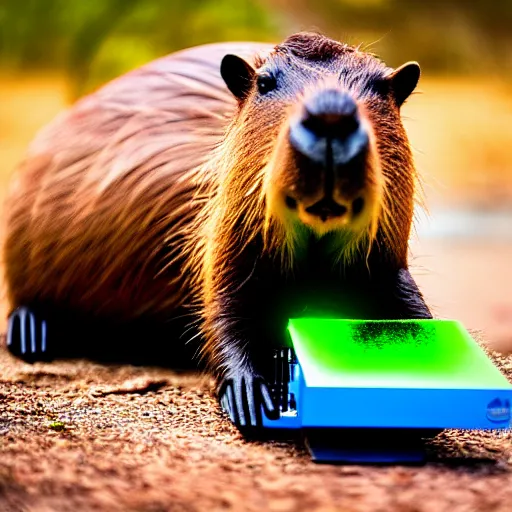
x=27 y=335
x=244 y=398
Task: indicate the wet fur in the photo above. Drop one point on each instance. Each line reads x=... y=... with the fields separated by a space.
x=145 y=205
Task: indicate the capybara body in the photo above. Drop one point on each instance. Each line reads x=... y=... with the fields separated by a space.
x=221 y=194
x=98 y=210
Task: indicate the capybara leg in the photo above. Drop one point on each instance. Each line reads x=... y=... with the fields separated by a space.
x=408 y=300
x=244 y=396
x=244 y=391
x=27 y=336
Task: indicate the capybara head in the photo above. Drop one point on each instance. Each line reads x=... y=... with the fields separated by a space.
x=318 y=136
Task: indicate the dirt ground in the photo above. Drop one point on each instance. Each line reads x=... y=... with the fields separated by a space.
x=79 y=436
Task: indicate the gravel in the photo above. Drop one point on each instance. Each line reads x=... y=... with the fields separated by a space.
x=76 y=436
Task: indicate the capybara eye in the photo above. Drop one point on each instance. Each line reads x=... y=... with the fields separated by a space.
x=266 y=83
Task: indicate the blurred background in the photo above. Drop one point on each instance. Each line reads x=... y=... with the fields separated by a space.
x=459 y=122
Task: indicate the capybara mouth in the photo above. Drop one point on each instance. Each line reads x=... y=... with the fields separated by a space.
x=337 y=212
x=325 y=197
x=327 y=208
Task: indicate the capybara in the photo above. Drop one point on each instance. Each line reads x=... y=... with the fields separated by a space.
x=192 y=206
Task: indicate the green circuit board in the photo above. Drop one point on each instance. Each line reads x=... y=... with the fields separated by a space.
x=391 y=353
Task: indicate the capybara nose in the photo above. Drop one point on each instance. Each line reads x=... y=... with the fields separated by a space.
x=331 y=114
x=329 y=118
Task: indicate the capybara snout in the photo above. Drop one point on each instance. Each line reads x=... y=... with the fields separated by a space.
x=327 y=169
x=331 y=144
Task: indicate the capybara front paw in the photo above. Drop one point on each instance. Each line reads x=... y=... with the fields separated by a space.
x=27 y=335
x=243 y=396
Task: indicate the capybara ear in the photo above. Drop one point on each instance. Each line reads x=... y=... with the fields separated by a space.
x=238 y=75
x=404 y=80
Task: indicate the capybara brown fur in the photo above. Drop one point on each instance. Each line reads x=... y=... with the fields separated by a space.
x=194 y=205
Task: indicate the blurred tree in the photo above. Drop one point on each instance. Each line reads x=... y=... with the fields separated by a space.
x=101 y=18
x=95 y=40
x=445 y=35
x=158 y=27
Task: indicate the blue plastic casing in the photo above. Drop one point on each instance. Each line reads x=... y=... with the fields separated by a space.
x=470 y=394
